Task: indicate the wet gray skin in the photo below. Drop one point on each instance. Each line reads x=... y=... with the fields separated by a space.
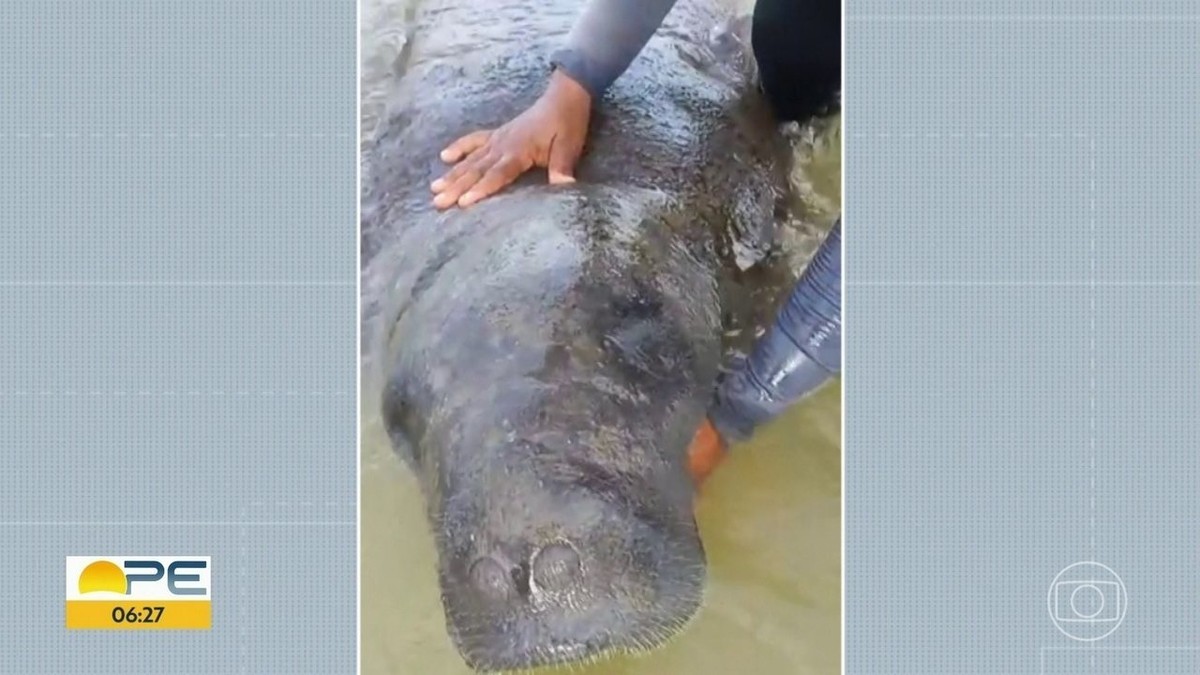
x=542 y=358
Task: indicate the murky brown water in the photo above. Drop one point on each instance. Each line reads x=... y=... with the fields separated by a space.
x=770 y=517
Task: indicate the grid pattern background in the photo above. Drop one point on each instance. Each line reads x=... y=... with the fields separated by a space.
x=178 y=315
x=1022 y=291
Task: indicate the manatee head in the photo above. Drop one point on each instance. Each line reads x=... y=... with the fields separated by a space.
x=560 y=557
x=547 y=405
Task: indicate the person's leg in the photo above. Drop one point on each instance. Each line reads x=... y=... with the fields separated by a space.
x=798 y=47
x=800 y=352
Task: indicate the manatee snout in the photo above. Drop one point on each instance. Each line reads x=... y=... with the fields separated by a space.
x=538 y=573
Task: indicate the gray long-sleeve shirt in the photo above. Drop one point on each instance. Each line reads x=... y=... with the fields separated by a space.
x=606 y=38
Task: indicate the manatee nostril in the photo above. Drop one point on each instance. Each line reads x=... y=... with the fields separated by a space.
x=490 y=577
x=556 y=567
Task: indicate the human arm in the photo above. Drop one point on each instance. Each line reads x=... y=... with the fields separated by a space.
x=799 y=353
x=606 y=38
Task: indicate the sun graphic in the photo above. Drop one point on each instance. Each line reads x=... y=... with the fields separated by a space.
x=102 y=576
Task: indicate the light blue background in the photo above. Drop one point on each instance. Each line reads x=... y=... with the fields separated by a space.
x=178 y=269
x=1022 y=356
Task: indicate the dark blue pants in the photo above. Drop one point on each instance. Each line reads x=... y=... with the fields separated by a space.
x=798 y=47
x=801 y=351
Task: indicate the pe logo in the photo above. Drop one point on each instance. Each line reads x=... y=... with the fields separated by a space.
x=139 y=592
x=1087 y=601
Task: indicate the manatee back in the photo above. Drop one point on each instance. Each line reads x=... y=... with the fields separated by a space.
x=581 y=314
x=685 y=117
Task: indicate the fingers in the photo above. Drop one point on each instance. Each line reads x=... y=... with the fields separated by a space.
x=465 y=146
x=458 y=150
x=499 y=176
x=442 y=185
x=564 y=154
x=460 y=179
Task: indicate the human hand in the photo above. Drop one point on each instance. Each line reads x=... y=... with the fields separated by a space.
x=550 y=134
x=706 y=451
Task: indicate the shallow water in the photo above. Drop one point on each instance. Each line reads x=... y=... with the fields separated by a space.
x=770 y=517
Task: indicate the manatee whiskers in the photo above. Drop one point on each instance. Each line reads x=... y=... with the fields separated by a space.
x=569 y=660
x=660 y=636
x=605 y=645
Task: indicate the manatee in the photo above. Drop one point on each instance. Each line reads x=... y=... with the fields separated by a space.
x=542 y=358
